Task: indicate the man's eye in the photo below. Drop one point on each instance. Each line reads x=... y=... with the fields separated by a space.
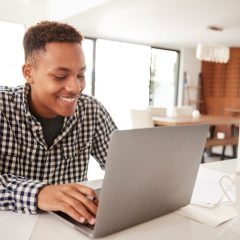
x=80 y=76
x=59 y=77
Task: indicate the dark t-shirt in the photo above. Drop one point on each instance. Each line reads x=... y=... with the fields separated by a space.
x=51 y=128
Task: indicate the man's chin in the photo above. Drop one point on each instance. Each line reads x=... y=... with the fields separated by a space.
x=67 y=113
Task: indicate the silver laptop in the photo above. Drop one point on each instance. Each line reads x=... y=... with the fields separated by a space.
x=149 y=172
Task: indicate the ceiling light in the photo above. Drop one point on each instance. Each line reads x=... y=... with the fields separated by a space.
x=215 y=28
x=212 y=53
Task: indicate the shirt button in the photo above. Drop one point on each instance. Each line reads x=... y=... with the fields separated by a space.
x=35 y=128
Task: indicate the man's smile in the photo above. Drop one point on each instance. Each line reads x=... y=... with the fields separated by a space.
x=68 y=99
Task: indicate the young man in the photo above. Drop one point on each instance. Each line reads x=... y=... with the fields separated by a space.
x=48 y=128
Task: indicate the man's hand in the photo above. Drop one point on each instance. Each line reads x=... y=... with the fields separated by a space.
x=78 y=201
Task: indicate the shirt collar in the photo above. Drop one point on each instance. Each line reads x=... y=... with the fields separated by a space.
x=26 y=96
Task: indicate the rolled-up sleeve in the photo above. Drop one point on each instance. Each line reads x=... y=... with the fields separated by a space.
x=18 y=194
x=105 y=126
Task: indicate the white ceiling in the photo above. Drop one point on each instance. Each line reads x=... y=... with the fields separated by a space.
x=165 y=23
x=172 y=23
x=61 y=9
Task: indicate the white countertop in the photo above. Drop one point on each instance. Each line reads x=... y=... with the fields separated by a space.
x=169 y=227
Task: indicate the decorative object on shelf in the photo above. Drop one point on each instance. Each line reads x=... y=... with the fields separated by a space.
x=191 y=92
x=212 y=53
x=196 y=114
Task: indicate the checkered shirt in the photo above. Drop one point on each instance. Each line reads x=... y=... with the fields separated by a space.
x=27 y=163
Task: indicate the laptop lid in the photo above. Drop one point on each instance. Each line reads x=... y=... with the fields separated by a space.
x=149 y=172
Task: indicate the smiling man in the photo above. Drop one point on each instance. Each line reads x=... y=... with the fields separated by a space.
x=49 y=128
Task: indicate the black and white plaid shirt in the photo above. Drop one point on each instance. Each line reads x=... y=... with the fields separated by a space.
x=27 y=163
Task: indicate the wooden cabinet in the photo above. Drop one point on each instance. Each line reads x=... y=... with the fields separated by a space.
x=220 y=85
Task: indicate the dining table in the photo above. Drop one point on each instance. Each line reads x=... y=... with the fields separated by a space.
x=213 y=121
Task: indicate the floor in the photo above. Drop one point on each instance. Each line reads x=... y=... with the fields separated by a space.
x=228 y=152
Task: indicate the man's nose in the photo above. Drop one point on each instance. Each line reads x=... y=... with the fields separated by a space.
x=73 y=85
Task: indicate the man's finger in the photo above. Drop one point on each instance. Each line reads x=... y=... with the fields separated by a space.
x=79 y=207
x=86 y=201
x=89 y=192
x=69 y=210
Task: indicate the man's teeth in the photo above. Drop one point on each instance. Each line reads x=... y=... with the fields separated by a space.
x=68 y=99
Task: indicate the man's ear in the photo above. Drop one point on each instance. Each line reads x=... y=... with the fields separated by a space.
x=27 y=72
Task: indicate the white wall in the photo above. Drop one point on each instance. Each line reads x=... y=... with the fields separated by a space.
x=36 y=12
x=30 y=12
x=14 y=11
x=192 y=66
x=25 y=12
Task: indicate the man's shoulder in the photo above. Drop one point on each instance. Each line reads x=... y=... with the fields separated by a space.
x=8 y=94
x=10 y=91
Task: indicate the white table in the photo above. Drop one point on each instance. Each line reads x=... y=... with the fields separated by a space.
x=169 y=227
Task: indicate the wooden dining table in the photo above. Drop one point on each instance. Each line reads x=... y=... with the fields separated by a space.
x=213 y=121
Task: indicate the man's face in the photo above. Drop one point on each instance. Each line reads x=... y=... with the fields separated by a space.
x=57 y=79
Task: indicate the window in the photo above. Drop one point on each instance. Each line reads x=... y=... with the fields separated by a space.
x=12 y=54
x=122 y=78
x=122 y=83
x=164 y=77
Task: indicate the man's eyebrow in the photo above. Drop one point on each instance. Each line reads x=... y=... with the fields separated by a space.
x=68 y=70
x=83 y=69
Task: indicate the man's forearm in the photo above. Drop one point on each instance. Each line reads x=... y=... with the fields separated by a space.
x=19 y=194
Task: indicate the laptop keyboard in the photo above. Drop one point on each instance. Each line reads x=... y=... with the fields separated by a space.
x=69 y=219
x=88 y=225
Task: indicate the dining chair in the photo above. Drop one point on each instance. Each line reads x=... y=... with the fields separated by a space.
x=141 y=118
x=158 y=111
x=184 y=111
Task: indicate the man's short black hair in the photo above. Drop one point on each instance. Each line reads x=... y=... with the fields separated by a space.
x=36 y=37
